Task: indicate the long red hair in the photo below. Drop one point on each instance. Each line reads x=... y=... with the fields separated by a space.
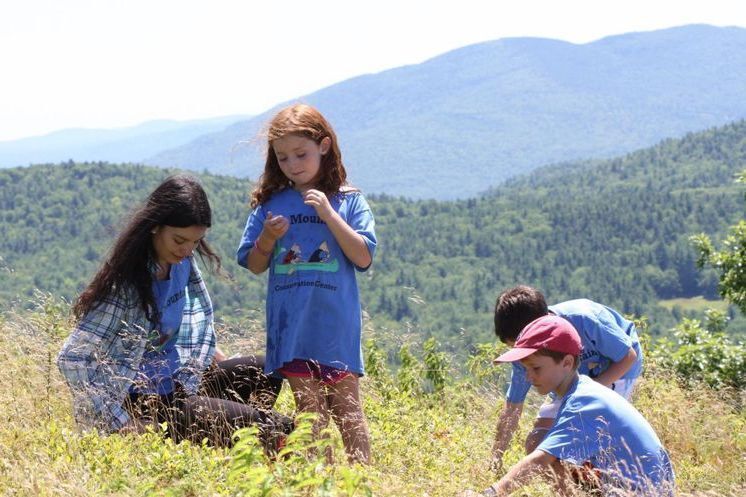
x=302 y=120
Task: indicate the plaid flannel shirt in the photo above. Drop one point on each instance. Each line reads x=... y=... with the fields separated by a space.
x=102 y=355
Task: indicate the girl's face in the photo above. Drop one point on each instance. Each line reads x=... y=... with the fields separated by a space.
x=172 y=244
x=299 y=159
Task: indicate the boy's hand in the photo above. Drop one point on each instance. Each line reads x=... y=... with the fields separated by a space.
x=319 y=202
x=275 y=226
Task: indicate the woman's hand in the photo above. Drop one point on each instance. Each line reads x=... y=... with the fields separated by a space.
x=219 y=355
x=133 y=427
x=320 y=203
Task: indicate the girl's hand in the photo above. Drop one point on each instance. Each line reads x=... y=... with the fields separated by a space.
x=320 y=203
x=275 y=226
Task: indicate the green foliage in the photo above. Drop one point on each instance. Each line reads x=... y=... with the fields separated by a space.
x=422 y=444
x=409 y=373
x=375 y=361
x=298 y=470
x=704 y=354
x=730 y=262
x=481 y=366
x=437 y=370
x=615 y=231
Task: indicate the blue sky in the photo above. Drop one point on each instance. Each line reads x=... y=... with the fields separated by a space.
x=111 y=63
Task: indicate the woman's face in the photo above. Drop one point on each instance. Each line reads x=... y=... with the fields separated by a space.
x=172 y=244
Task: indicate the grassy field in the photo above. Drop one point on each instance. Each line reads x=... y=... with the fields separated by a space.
x=423 y=444
x=694 y=304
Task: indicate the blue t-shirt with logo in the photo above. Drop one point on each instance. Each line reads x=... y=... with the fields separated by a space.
x=606 y=337
x=161 y=359
x=313 y=306
x=596 y=426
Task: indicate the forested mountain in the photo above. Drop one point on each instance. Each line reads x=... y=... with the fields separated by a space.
x=613 y=230
x=130 y=144
x=486 y=112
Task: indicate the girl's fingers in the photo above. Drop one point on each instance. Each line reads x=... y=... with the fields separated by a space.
x=276 y=220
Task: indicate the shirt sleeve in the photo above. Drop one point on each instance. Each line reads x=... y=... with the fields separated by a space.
x=87 y=362
x=519 y=384
x=197 y=333
x=610 y=340
x=360 y=218
x=572 y=439
x=251 y=232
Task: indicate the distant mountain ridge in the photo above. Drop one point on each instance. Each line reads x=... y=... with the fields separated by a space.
x=460 y=123
x=129 y=144
x=456 y=124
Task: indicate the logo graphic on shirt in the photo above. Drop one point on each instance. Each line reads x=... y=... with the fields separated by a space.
x=291 y=260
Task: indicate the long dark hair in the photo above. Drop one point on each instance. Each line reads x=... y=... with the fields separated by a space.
x=302 y=120
x=179 y=201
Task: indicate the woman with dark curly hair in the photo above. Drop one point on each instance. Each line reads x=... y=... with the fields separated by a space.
x=143 y=349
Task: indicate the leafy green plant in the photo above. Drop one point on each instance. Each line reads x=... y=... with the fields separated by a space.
x=299 y=468
x=409 y=373
x=436 y=365
x=730 y=262
x=480 y=363
x=699 y=354
x=375 y=361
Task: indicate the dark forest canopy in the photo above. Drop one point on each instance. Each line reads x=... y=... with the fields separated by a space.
x=615 y=231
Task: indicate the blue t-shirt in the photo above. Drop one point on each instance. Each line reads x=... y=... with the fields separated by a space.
x=161 y=359
x=606 y=337
x=313 y=305
x=598 y=426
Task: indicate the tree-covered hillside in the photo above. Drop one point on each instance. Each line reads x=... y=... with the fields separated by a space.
x=616 y=231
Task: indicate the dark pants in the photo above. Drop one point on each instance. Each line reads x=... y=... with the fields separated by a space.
x=233 y=394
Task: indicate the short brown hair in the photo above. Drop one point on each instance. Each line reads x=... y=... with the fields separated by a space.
x=558 y=356
x=515 y=308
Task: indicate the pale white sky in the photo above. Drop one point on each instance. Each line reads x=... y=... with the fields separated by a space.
x=111 y=63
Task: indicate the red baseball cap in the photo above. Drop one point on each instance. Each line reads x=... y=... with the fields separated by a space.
x=547 y=332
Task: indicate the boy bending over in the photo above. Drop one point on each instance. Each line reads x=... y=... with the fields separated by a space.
x=611 y=356
x=597 y=437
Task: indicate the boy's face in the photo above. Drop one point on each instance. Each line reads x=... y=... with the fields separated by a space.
x=545 y=374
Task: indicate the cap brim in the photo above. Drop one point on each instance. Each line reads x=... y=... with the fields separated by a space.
x=515 y=355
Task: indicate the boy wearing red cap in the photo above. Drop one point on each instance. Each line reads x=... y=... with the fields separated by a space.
x=596 y=434
x=611 y=356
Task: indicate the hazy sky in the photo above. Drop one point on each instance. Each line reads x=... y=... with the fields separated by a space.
x=108 y=63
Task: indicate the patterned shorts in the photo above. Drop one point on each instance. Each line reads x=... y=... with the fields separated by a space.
x=300 y=368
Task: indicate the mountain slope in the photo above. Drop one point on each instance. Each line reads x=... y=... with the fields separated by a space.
x=466 y=120
x=114 y=145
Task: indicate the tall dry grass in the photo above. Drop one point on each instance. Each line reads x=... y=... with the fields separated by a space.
x=423 y=444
